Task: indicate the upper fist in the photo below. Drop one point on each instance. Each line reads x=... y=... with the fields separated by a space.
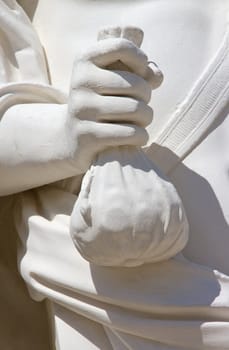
x=108 y=103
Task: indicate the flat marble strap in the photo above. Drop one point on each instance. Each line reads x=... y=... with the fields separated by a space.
x=194 y=117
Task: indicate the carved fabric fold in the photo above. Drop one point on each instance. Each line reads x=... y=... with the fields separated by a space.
x=168 y=305
x=127 y=212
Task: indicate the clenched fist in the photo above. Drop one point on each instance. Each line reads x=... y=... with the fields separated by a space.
x=109 y=107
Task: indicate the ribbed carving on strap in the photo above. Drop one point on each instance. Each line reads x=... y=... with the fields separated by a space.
x=200 y=109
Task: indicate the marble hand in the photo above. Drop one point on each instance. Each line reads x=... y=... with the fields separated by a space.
x=109 y=107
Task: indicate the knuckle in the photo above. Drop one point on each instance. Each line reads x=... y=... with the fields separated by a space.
x=145 y=110
x=137 y=135
x=119 y=44
x=80 y=80
x=123 y=44
x=134 y=86
x=145 y=89
x=143 y=113
x=127 y=45
x=122 y=47
x=154 y=76
x=143 y=137
x=82 y=75
x=148 y=116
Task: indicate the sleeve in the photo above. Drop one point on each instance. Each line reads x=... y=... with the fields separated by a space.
x=23 y=83
x=21 y=53
x=23 y=70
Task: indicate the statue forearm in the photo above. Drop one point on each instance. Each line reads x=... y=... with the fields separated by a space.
x=34 y=147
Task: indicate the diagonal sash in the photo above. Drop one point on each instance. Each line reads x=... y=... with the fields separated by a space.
x=194 y=117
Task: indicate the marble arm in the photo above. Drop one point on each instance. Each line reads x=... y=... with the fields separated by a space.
x=45 y=142
x=34 y=147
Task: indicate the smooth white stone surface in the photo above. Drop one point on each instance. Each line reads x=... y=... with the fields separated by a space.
x=171 y=305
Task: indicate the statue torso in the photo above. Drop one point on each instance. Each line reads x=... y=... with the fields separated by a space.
x=182 y=37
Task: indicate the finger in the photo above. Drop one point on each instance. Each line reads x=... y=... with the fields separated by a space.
x=108 y=51
x=124 y=110
x=112 y=109
x=123 y=83
x=114 y=83
x=103 y=135
x=131 y=33
x=154 y=75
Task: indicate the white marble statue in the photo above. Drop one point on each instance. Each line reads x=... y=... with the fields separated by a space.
x=60 y=107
